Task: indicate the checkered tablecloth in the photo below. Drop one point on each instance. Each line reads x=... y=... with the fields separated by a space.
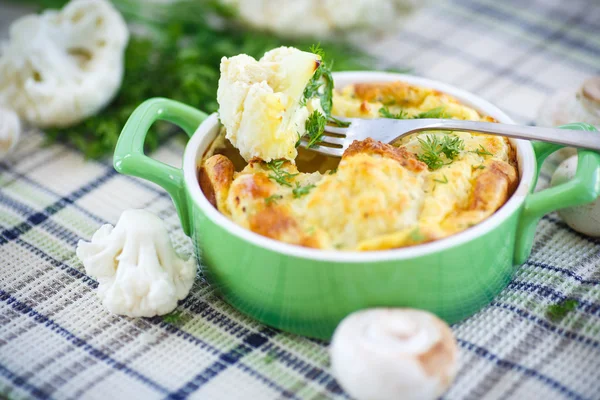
x=56 y=341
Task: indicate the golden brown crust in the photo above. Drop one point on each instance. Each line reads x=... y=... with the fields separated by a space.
x=493 y=186
x=397 y=92
x=215 y=178
x=369 y=146
x=276 y=222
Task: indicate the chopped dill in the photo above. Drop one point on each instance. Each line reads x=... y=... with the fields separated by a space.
x=386 y=113
x=315 y=125
x=433 y=148
x=300 y=191
x=438 y=112
x=482 y=151
x=557 y=312
x=442 y=181
x=416 y=235
x=273 y=199
x=279 y=175
x=334 y=121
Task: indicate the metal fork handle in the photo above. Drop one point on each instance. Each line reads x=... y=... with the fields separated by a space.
x=567 y=137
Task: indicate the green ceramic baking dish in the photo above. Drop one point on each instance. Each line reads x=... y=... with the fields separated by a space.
x=309 y=291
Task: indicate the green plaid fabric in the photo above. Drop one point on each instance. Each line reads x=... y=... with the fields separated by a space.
x=56 y=341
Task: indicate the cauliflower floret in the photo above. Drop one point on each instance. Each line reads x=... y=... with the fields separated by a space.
x=138 y=271
x=10 y=130
x=63 y=66
x=321 y=17
x=260 y=101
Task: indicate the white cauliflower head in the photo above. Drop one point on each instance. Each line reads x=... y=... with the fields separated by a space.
x=138 y=271
x=10 y=130
x=320 y=17
x=260 y=102
x=60 y=67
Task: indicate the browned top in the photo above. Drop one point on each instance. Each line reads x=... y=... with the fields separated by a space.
x=400 y=154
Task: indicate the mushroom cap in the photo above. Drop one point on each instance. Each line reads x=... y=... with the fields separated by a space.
x=584 y=218
x=10 y=130
x=384 y=354
x=60 y=67
x=138 y=271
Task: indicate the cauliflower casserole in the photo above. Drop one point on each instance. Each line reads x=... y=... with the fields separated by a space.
x=379 y=196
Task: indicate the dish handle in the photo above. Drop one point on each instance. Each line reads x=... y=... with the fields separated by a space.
x=583 y=188
x=129 y=157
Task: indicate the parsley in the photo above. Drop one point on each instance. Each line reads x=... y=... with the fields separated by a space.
x=480 y=166
x=442 y=181
x=557 y=312
x=433 y=148
x=273 y=199
x=315 y=125
x=333 y=171
x=482 y=151
x=386 y=113
x=279 y=175
x=438 y=112
x=300 y=191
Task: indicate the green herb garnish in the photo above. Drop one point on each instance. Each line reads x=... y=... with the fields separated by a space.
x=334 y=121
x=333 y=171
x=482 y=151
x=480 y=166
x=433 y=148
x=437 y=112
x=557 y=312
x=300 y=191
x=279 y=175
x=416 y=235
x=442 y=181
x=273 y=199
x=315 y=125
x=175 y=318
x=386 y=113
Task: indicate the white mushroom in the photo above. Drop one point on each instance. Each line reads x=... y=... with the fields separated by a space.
x=385 y=354
x=10 y=130
x=585 y=218
x=60 y=67
x=138 y=271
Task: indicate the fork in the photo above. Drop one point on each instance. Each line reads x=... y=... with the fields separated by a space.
x=337 y=139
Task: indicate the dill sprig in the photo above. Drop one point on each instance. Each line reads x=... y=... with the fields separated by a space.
x=315 y=125
x=441 y=181
x=482 y=151
x=279 y=175
x=433 y=149
x=557 y=312
x=386 y=113
x=273 y=199
x=300 y=191
x=438 y=112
